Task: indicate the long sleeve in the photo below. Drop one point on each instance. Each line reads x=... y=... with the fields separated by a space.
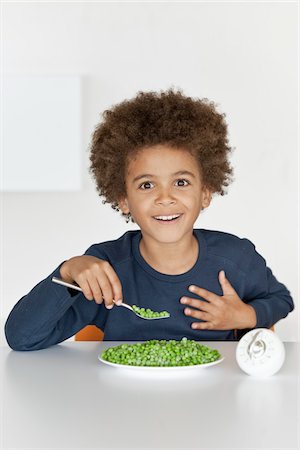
x=270 y=298
x=49 y=314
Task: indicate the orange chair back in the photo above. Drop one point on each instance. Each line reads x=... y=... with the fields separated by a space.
x=89 y=333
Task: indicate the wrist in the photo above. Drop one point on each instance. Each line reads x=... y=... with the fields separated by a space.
x=64 y=273
x=248 y=319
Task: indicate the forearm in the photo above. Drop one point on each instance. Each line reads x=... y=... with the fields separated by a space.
x=270 y=299
x=270 y=309
x=47 y=315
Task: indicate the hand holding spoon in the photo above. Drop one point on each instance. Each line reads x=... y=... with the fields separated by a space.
x=135 y=310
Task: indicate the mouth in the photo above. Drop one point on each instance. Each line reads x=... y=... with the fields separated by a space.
x=168 y=220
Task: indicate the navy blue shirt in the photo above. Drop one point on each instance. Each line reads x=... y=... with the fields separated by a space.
x=51 y=313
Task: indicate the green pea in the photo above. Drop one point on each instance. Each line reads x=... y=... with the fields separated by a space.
x=148 y=313
x=161 y=353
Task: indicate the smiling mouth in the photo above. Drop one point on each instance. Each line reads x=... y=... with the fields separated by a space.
x=167 y=219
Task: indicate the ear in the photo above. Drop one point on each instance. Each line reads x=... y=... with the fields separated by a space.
x=123 y=204
x=206 y=197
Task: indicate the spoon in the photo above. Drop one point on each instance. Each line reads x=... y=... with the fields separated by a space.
x=74 y=286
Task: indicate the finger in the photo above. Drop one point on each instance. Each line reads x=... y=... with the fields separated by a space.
x=86 y=288
x=115 y=283
x=197 y=314
x=202 y=326
x=107 y=291
x=225 y=284
x=96 y=290
x=199 y=304
x=207 y=295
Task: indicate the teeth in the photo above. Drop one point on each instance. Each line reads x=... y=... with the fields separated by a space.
x=167 y=217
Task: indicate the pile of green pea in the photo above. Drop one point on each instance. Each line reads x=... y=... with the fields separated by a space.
x=148 y=313
x=161 y=353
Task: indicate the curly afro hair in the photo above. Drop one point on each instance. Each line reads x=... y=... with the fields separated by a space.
x=151 y=118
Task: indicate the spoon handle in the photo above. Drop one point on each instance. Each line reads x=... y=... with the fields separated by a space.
x=73 y=286
x=124 y=304
x=64 y=283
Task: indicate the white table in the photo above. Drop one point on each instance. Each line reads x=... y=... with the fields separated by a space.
x=64 y=398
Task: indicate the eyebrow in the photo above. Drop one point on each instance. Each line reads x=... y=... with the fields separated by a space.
x=180 y=172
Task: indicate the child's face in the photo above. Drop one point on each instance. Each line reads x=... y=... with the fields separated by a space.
x=164 y=192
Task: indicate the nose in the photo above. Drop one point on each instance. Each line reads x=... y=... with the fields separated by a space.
x=164 y=197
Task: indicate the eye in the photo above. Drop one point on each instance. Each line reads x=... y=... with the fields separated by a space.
x=185 y=181
x=144 y=184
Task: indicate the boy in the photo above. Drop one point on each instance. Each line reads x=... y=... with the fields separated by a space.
x=158 y=158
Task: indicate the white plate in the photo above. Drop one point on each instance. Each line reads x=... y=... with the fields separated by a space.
x=196 y=366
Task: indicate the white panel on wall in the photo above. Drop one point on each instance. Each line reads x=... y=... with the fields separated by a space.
x=41 y=133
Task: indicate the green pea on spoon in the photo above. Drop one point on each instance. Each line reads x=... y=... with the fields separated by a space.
x=140 y=312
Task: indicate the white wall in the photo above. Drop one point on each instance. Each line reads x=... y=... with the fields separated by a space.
x=241 y=55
